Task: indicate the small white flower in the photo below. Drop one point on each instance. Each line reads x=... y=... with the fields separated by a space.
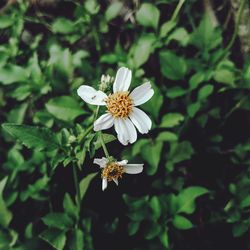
x=121 y=107
x=112 y=171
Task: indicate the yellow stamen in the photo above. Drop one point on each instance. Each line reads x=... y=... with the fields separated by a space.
x=119 y=104
x=112 y=171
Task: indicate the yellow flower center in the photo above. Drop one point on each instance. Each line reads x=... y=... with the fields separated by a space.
x=112 y=171
x=119 y=104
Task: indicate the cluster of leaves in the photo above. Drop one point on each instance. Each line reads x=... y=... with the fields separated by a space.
x=197 y=146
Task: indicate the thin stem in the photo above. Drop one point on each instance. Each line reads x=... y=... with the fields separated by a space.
x=104 y=146
x=86 y=132
x=177 y=10
x=236 y=29
x=77 y=188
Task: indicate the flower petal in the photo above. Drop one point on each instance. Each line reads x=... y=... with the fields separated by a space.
x=123 y=162
x=115 y=181
x=122 y=79
x=140 y=120
x=102 y=162
x=104 y=184
x=133 y=168
x=125 y=130
x=104 y=122
x=142 y=94
x=91 y=96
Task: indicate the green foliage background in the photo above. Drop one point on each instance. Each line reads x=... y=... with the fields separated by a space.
x=194 y=192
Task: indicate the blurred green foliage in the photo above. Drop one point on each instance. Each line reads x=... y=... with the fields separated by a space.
x=197 y=165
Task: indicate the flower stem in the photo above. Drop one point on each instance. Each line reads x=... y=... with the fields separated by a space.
x=104 y=146
x=177 y=10
x=86 y=132
x=77 y=188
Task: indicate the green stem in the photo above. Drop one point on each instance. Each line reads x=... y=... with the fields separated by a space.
x=177 y=10
x=236 y=29
x=86 y=132
x=104 y=146
x=77 y=188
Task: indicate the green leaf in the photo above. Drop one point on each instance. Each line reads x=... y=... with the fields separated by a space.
x=181 y=35
x=133 y=227
x=155 y=205
x=193 y=108
x=13 y=73
x=148 y=15
x=85 y=182
x=5 y=21
x=32 y=137
x=172 y=66
x=5 y=214
x=180 y=151
x=175 y=92
x=181 y=222
x=69 y=206
x=205 y=91
x=206 y=37
x=106 y=138
x=63 y=26
x=64 y=108
x=245 y=202
x=171 y=120
x=152 y=154
x=164 y=238
x=186 y=199
x=143 y=49
x=113 y=10
x=167 y=136
x=55 y=237
x=239 y=229
x=152 y=230
x=77 y=241
x=166 y=28
x=58 y=220
x=225 y=76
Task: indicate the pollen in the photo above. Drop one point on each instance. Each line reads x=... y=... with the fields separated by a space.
x=112 y=171
x=119 y=104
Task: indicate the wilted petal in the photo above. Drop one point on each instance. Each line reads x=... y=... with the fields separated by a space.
x=115 y=181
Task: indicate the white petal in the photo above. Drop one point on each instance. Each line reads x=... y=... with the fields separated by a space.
x=122 y=79
x=125 y=130
x=133 y=168
x=115 y=181
x=142 y=94
x=104 y=184
x=102 y=162
x=123 y=162
x=91 y=96
x=140 y=120
x=104 y=122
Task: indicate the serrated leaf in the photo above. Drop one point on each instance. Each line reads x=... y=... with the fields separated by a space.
x=32 y=137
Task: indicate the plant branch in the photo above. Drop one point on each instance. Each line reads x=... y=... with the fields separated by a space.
x=177 y=10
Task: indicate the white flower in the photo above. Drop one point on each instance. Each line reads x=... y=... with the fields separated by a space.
x=112 y=171
x=121 y=107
